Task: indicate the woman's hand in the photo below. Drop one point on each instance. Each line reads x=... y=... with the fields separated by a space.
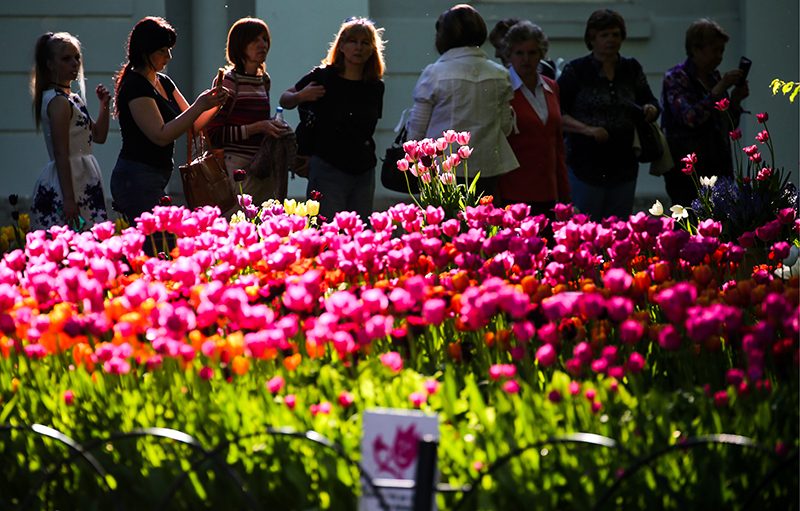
x=269 y=127
x=311 y=92
x=600 y=135
x=650 y=113
x=71 y=212
x=103 y=95
x=727 y=81
x=739 y=93
x=212 y=98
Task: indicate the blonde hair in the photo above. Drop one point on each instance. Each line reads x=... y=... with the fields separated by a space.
x=48 y=49
x=376 y=65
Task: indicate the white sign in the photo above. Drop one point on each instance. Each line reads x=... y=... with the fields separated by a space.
x=389 y=451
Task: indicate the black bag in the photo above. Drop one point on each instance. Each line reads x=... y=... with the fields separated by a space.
x=650 y=138
x=393 y=178
x=305 y=131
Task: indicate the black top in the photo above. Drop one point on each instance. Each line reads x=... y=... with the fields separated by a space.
x=345 y=119
x=135 y=144
x=590 y=97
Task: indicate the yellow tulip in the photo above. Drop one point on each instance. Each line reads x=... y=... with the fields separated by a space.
x=3 y=245
x=24 y=222
x=300 y=209
x=289 y=206
x=313 y=207
x=7 y=232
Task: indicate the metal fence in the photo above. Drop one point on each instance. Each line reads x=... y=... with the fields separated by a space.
x=424 y=487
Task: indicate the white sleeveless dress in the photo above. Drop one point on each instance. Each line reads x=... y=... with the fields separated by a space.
x=87 y=181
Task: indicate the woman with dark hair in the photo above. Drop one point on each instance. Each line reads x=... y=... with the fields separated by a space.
x=690 y=122
x=601 y=96
x=347 y=92
x=466 y=91
x=244 y=120
x=152 y=115
x=536 y=138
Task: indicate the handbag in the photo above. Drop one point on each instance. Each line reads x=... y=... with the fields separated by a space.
x=205 y=180
x=275 y=157
x=651 y=142
x=393 y=178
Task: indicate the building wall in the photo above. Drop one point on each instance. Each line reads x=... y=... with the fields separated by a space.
x=767 y=32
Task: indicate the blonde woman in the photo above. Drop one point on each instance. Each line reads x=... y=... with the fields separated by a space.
x=70 y=188
x=347 y=95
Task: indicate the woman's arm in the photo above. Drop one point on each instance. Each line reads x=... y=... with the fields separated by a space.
x=100 y=127
x=205 y=116
x=148 y=118
x=59 y=110
x=570 y=124
x=292 y=97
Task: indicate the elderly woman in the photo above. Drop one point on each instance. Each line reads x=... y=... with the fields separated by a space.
x=601 y=94
x=537 y=140
x=465 y=91
x=691 y=122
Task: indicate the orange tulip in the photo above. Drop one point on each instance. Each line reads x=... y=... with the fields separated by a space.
x=292 y=361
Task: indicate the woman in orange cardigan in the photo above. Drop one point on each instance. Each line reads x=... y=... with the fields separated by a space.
x=536 y=138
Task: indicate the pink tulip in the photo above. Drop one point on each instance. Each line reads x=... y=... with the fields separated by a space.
x=635 y=363
x=431 y=386
x=417 y=398
x=69 y=397
x=346 y=399
x=546 y=355
x=275 y=384
x=393 y=361
x=555 y=396
x=205 y=373
x=762 y=117
x=290 y=400
x=511 y=386
x=464 y=152
x=463 y=137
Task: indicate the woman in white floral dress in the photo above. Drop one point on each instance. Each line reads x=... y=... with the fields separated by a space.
x=70 y=188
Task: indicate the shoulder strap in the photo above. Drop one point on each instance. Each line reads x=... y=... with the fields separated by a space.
x=235 y=95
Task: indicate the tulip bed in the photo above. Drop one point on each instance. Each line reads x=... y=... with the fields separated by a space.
x=631 y=329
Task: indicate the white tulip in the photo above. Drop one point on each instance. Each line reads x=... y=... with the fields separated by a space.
x=657 y=209
x=679 y=212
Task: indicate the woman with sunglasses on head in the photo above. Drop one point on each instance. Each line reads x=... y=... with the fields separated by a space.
x=69 y=190
x=152 y=115
x=347 y=95
x=244 y=120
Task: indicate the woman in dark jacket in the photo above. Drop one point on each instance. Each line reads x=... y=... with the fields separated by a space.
x=601 y=94
x=691 y=122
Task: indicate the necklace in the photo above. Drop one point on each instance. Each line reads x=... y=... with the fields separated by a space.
x=59 y=85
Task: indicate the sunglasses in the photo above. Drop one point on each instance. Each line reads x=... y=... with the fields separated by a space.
x=365 y=20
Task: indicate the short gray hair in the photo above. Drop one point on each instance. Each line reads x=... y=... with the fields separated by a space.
x=524 y=31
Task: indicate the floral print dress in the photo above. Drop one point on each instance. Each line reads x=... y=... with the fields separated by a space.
x=87 y=181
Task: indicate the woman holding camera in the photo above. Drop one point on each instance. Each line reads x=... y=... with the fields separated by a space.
x=691 y=121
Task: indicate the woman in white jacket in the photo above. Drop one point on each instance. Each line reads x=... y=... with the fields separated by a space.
x=466 y=91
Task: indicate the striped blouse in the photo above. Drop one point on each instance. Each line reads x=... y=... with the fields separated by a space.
x=228 y=129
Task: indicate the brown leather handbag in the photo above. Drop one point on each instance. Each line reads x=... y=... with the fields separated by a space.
x=205 y=180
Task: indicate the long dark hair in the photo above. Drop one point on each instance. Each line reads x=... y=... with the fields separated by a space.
x=48 y=49
x=148 y=36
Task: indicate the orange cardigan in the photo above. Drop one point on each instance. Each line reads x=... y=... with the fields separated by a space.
x=539 y=148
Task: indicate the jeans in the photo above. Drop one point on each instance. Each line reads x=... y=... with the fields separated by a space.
x=136 y=187
x=341 y=191
x=601 y=202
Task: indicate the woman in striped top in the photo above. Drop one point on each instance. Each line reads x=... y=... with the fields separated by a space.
x=244 y=120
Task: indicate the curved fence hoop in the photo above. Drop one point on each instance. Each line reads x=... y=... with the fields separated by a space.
x=311 y=436
x=76 y=450
x=689 y=443
x=572 y=438
x=184 y=438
